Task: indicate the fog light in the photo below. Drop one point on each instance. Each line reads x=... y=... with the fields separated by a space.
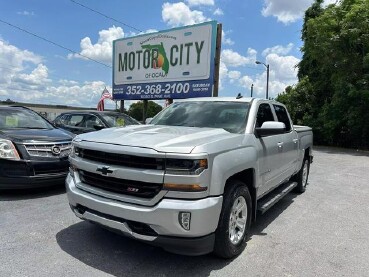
x=184 y=219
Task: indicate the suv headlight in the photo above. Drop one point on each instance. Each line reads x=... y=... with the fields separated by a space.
x=8 y=150
x=185 y=167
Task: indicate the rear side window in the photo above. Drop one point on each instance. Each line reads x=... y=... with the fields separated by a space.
x=283 y=116
x=90 y=121
x=76 y=120
x=264 y=114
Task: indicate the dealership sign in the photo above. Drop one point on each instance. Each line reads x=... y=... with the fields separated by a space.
x=176 y=63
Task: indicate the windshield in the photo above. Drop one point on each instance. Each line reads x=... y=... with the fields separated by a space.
x=118 y=120
x=22 y=119
x=230 y=116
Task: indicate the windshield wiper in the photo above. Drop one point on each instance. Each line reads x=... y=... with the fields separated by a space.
x=37 y=128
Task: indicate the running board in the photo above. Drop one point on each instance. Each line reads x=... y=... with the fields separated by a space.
x=274 y=196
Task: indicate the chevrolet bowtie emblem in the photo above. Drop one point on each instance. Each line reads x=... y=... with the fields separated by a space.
x=104 y=170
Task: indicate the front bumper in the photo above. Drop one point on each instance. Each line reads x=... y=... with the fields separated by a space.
x=22 y=174
x=161 y=219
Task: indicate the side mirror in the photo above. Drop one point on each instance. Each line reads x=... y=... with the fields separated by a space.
x=270 y=128
x=99 y=127
x=148 y=120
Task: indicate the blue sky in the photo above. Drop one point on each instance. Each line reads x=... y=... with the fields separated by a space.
x=32 y=70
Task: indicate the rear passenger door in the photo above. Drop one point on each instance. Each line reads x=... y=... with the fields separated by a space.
x=290 y=142
x=269 y=152
x=75 y=123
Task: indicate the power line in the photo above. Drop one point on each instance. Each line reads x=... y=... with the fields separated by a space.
x=106 y=16
x=54 y=43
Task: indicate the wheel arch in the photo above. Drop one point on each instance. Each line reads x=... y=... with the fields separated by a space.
x=248 y=177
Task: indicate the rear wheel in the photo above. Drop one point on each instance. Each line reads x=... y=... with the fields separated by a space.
x=302 y=176
x=234 y=222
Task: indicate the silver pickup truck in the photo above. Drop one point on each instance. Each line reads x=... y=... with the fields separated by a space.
x=194 y=179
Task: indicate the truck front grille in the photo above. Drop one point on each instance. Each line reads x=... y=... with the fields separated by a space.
x=129 y=187
x=120 y=159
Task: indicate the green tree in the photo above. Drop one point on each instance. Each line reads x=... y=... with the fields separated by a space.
x=335 y=62
x=136 y=110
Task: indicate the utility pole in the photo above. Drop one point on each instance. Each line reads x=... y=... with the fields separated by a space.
x=252 y=89
x=267 y=92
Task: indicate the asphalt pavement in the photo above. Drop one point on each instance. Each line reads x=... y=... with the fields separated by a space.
x=322 y=232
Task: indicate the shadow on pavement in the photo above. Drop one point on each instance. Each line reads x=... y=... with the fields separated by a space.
x=24 y=194
x=269 y=216
x=120 y=256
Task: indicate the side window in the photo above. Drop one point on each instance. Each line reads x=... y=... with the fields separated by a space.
x=91 y=121
x=57 y=119
x=75 y=120
x=283 y=116
x=264 y=114
x=61 y=119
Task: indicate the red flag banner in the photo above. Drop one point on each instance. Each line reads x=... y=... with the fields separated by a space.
x=105 y=95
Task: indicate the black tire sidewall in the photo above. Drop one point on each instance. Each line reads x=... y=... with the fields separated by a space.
x=301 y=187
x=223 y=246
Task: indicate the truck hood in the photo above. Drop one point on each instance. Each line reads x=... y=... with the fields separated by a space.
x=175 y=139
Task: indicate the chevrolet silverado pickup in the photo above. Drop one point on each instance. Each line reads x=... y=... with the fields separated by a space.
x=194 y=179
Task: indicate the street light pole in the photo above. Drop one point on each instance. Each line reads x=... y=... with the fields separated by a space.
x=267 y=92
x=267 y=87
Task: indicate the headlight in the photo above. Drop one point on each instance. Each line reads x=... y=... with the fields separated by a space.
x=7 y=150
x=74 y=151
x=185 y=167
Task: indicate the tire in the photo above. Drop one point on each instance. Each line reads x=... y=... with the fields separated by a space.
x=302 y=176
x=230 y=241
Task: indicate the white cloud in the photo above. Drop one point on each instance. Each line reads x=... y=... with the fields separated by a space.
x=14 y=60
x=234 y=59
x=278 y=49
x=285 y=11
x=225 y=39
x=26 y=13
x=246 y=81
x=288 y=11
x=38 y=77
x=283 y=67
x=218 y=11
x=328 y=2
x=223 y=73
x=200 y=2
x=234 y=75
x=178 y=14
x=24 y=78
x=103 y=49
x=283 y=73
x=148 y=31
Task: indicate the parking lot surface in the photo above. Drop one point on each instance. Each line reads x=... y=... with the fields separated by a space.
x=323 y=232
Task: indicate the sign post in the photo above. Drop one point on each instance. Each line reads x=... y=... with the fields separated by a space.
x=217 y=60
x=171 y=64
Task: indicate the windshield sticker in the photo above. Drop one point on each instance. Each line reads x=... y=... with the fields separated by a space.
x=11 y=121
x=120 y=122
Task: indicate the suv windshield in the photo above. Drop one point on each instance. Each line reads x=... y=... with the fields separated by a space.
x=22 y=119
x=230 y=116
x=118 y=120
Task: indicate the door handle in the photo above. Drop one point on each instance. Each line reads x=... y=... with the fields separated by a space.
x=295 y=140
x=280 y=145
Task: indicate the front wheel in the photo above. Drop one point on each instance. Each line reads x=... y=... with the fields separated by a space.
x=234 y=222
x=302 y=176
